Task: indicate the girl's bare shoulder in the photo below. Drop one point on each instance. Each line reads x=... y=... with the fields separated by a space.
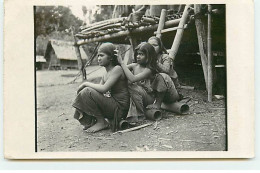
x=117 y=69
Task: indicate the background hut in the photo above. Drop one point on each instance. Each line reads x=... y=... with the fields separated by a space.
x=61 y=55
x=40 y=62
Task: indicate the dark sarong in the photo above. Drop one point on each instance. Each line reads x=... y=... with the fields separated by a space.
x=91 y=104
x=140 y=97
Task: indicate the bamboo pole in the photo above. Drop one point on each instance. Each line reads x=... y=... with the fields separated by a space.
x=170 y=29
x=210 y=79
x=102 y=23
x=170 y=23
x=179 y=33
x=79 y=59
x=108 y=26
x=80 y=63
x=202 y=40
x=148 y=20
x=161 y=23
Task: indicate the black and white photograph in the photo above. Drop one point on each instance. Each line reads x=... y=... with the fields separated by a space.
x=130 y=78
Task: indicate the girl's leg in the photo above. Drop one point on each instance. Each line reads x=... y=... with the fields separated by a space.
x=159 y=97
x=95 y=105
x=84 y=119
x=164 y=89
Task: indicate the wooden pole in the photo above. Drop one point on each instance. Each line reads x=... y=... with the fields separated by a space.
x=202 y=40
x=179 y=33
x=210 y=79
x=80 y=63
x=128 y=55
x=79 y=59
x=134 y=43
x=161 y=23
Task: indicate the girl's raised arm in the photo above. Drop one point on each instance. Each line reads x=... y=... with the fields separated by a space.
x=134 y=78
x=131 y=66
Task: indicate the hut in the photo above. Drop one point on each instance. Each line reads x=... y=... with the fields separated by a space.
x=61 y=55
x=40 y=62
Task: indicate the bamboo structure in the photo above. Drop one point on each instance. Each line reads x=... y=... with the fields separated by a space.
x=116 y=30
x=107 y=37
x=210 y=78
x=179 y=33
x=202 y=40
x=161 y=23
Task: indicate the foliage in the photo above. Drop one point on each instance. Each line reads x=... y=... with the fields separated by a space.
x=104 y=12
x=54 y=18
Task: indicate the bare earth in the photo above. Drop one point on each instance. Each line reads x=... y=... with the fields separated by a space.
x=202 y=129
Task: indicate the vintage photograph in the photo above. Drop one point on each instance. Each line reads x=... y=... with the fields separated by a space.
x=130 y=78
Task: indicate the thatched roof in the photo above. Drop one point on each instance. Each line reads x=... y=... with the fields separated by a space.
x=64 y=50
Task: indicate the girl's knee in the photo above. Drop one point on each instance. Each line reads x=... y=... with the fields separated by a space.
x=87 y=91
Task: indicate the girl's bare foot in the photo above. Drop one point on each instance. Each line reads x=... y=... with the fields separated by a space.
x=100 y=125
x=86 y=126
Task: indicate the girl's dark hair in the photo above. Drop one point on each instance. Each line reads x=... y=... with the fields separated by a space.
x=109 y=49
x=149 y=53
x=160 y=44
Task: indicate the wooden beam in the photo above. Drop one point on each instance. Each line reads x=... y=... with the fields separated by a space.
x=170 y=29
x=128 y=55
x=79 y=59
x=202 y=40
x=161 y=23
x=80 y=63
x=210 y=76
x=179 y=33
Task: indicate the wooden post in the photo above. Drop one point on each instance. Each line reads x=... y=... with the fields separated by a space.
x=210 y=79
x=161 y=23
x=134 y=43
x=80 y=62
x=128 y=55
x=202 y=40
x=179 y=33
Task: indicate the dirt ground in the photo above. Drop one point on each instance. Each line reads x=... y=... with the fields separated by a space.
x=202 y=129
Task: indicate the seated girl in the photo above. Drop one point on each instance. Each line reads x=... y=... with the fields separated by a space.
x=164 y=62
x=139 y=75
x=146 y=85
x=109 y=99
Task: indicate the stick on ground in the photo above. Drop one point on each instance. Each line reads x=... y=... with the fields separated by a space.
x=134 y=128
